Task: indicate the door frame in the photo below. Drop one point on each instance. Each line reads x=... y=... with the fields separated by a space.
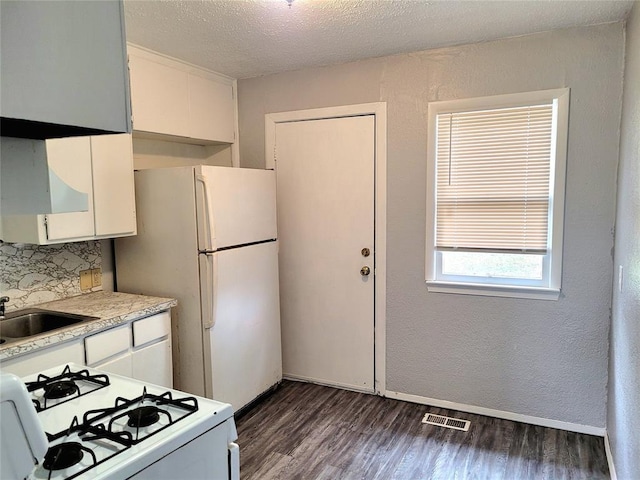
x=379 y=111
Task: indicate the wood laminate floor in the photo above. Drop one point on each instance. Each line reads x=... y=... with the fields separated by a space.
x=306 y=431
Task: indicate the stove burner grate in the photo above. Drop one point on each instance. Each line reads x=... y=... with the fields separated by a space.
x=139 y=415
x=60 y=389
x=65 y=386
x=68 y=454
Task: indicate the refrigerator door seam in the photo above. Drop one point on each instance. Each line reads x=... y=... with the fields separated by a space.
x=241 y=245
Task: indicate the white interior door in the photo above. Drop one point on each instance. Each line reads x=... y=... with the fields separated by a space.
x=325 y=198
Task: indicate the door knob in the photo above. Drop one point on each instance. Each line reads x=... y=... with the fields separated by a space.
x=365 y=271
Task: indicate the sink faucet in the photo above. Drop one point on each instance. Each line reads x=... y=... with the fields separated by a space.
x=3 y=300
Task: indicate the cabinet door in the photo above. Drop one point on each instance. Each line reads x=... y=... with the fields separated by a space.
x=105 y=345
x=113 y=191
x=152 y=364
x=39 y=360
x=211 y=110
x=120 y=366
x=70 y=158
x=159 y=97
x=32 y=184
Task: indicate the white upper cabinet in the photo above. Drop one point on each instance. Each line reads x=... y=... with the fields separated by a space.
x=63 y=69
x=211 y=109
x=160 y=97
x=45 y=176
x=113 y=190
x=102 y=166
x=73 y=158
x=179 y=101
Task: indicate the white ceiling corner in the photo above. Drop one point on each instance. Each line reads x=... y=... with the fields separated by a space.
x=248 y=38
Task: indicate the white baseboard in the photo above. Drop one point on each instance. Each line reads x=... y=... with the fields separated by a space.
x=326 y=383
x=607 y=450
x=489 y=412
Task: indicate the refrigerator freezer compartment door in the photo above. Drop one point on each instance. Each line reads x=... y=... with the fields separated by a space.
x=236 y=206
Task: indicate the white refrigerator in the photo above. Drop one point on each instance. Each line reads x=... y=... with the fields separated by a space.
x=207 y=236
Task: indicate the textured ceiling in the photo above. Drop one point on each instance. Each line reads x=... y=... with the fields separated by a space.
x=247 y=38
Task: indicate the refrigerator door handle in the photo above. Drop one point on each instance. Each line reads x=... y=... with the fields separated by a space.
x=205 y=222
x=208 y=286
x=234 y=461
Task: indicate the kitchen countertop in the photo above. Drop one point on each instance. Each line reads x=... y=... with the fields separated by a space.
x=111 y=308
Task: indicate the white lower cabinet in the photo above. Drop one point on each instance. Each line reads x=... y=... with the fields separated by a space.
x=152 y=361
x=152 y=364
x=105 y=345
x=71 y=352
x=109 y=350
x=140 y=349
x=122 y=365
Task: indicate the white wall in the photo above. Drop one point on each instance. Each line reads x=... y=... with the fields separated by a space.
x=541 y=358
x=623 y=412
x=153 y=153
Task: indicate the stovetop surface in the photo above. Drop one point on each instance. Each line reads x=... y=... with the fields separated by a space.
x=48 y=391
x=181 y=417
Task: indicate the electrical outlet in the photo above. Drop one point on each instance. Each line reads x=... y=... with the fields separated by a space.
x=85 y=280
x=96 y=277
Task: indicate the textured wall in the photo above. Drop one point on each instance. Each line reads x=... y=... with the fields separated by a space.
x=540 y=358
x=31 y=274
x=623 y=413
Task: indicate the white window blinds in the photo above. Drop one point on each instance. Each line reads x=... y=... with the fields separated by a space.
x=493 y=173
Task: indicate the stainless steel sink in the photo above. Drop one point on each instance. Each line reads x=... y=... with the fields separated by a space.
x=30 y=322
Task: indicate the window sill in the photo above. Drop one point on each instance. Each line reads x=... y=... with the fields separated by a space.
x=537 y=293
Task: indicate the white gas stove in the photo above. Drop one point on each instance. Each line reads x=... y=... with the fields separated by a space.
x=101 y=426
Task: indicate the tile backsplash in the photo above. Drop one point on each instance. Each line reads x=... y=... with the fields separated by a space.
x=32 y=274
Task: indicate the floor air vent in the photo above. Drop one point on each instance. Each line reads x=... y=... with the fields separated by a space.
x=446 y=422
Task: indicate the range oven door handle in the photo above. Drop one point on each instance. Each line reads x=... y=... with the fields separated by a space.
x=234 y=461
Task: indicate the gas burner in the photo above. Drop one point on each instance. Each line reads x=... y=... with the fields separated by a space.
x=61 y=389
x=63 y=455
x=79 y=448
x=143 y=416
x=48 y=392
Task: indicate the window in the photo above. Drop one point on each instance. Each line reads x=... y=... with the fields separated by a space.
x=495 y=202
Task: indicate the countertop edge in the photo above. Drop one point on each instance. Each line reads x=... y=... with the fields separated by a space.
x=147 y=306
